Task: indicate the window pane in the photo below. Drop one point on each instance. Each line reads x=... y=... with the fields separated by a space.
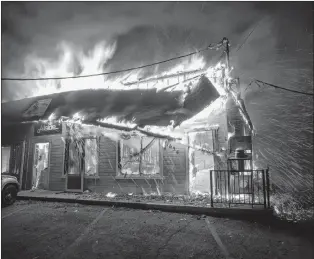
x=129 y=162
x=5 y=159
x=150 y=158
x=74 y=159
x=91 y=157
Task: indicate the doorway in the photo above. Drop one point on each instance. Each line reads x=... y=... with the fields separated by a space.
x=74 y=165
x=40 y=179
x=201 y=161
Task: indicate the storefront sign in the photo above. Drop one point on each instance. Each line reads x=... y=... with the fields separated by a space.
x=42 y=129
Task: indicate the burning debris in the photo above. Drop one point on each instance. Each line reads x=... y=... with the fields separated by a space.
x=111 y=195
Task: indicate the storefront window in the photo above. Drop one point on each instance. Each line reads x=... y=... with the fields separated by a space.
x=82 y=156
x=91 y=157
x=5 y=159
x=139 y=156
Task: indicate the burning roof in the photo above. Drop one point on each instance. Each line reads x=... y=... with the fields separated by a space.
x=142 y=106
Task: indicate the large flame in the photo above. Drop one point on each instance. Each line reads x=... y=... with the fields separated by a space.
x=73 y=61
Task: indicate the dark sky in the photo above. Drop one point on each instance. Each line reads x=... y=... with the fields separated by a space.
x=279 y=51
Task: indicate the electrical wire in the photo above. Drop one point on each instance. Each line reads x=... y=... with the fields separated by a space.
x=279 y=87
x=211 y=46
x=248 y=36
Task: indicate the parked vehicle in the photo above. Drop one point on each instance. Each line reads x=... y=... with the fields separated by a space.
x=9 y=189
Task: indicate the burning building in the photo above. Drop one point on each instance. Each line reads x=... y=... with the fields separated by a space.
x=142 y=139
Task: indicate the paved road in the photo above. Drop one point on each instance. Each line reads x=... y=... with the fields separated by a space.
x=38 y=230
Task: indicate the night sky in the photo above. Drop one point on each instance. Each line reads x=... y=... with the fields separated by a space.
x=279 y=51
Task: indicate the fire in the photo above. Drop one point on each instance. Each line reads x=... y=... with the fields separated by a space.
x=77 y=117
x=70 y=59
x=196 y=63
x=111 y=195
x=217 y=106
x=165 y=131
x=72 y=62
x=115 y=121
x=216 y=75
x=51 y=117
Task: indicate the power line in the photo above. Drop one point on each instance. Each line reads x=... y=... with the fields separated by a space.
x=248 y=36
x=211 y=46
x=279 y=87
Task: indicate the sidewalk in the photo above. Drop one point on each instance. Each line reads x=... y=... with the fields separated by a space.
x=244 y=212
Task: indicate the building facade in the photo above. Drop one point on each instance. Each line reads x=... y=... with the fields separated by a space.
x=61 y=156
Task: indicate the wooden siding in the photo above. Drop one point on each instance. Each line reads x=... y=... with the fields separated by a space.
x=174 y=172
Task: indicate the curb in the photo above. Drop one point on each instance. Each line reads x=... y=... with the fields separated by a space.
x=250 y=214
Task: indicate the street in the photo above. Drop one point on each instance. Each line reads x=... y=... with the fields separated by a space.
x=39 y=230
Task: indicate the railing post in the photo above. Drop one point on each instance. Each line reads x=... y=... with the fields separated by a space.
x=264 y=189
x=268 y=187
x=211 y=189
x=252 y=187
x=228 y=187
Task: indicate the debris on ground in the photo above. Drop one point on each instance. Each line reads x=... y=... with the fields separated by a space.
x=284 y=206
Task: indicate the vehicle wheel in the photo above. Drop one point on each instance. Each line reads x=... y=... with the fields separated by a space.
x=9 y=194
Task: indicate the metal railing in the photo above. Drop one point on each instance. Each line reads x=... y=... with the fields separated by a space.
x=248 y=187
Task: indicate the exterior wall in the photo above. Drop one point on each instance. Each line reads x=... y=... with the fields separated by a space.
x=221 y=137
x=236 y=123
x=175 y=169
x=174 y=172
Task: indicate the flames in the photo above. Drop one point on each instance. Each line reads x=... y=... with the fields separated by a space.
x=75 y=62
x=197 y=62
x=116 y=122
x=219 y=76
x=72 y=62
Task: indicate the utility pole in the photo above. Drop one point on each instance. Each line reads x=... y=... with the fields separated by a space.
x=225 y=43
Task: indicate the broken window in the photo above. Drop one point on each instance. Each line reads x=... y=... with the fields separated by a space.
x=81 y=156
x=139 y=156
x=5 y=159
x=91 y=157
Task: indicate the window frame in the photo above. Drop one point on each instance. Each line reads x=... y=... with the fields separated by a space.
x=119 y=174
x=66 y=153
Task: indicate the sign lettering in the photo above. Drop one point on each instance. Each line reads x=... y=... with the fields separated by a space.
x=41 y=128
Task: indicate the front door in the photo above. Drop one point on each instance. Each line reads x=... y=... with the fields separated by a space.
x=74 y=166
x=40 y=179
